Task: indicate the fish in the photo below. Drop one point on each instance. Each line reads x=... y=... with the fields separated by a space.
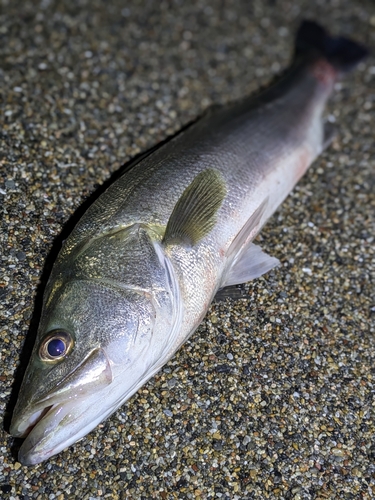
x=139 y=271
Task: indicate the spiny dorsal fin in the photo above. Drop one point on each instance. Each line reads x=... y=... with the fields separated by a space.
x=194 y=215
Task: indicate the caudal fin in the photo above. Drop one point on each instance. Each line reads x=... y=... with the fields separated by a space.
x=343 y=53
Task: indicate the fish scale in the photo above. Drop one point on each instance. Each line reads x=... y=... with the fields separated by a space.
x=251 y=143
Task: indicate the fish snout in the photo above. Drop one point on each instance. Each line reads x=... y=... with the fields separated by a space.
x=93 y=374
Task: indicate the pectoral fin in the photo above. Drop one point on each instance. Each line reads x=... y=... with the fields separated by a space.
x=194 y=215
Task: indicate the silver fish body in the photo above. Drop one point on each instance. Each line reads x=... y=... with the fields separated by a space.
x=139 y=271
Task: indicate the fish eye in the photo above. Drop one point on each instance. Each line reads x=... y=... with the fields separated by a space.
x=55 y=345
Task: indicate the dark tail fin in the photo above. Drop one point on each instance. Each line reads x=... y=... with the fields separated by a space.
x=342 y=53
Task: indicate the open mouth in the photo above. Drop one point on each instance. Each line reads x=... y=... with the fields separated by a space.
x=64 y=414
x=40 y=430
x=55 y=427
x=26 y=426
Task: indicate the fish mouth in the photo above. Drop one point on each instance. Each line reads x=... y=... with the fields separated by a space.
x=24 y=426
x=65 y=413
x=55 y=427
x=37 y=428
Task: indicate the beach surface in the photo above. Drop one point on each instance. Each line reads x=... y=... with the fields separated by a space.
x=273 y=396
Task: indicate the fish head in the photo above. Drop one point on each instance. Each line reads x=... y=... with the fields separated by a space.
x=89 y=355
